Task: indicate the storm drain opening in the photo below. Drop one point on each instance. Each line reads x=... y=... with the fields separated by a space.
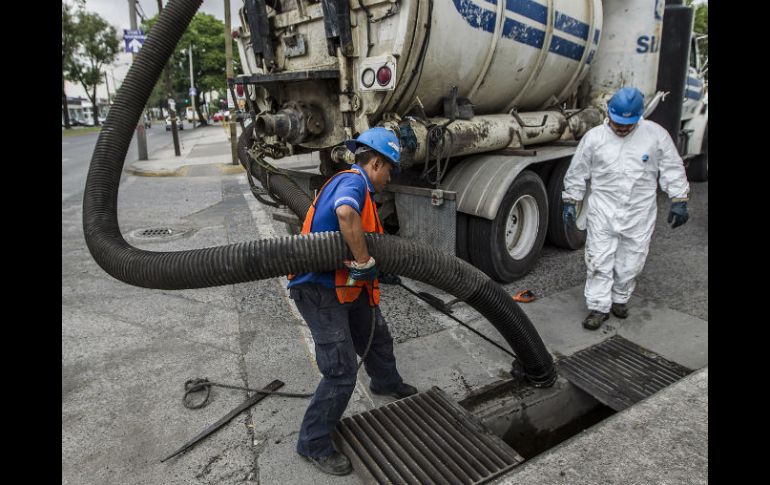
x=425 y=438
x=156 y=232
x=593 y=385
x=159 y=233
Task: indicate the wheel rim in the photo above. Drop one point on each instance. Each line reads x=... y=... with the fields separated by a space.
x=521 y=227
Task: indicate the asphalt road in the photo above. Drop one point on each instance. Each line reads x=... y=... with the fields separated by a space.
x=78 y=149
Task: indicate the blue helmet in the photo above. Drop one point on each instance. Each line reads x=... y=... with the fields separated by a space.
x=383 y=141
x=626 y=106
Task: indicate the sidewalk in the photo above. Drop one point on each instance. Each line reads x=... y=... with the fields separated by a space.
x=205 y=152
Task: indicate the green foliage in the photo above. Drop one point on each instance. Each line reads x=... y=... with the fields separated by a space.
x=96 y=44
x=701 y=27
x=207 y=35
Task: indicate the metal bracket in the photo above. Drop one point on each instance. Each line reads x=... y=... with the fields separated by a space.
x=337 y=26
x=259 y=27
x=524 y=125
x=294 y=45
x=436 y=197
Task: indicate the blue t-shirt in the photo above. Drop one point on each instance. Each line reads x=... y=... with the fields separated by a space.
x=344 y=189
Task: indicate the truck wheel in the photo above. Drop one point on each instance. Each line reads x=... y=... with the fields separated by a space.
x=698 y=168
x=507 y=247
x=559 y=234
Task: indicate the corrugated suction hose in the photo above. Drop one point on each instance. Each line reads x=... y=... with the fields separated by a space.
x=256 y=260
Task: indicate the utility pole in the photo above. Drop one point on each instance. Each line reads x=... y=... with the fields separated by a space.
x=107 y=85
x=230 y=75
x=141 y=134
x=171 y=106
x=192 y=87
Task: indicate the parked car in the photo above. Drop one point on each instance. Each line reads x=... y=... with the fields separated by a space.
x=218 y=116
x=179 y=124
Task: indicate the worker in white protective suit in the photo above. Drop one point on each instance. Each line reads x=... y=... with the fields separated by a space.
x=624 y=158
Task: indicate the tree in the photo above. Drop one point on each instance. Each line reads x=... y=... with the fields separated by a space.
x=207 y=35
x=97 y=45
x=69 y=42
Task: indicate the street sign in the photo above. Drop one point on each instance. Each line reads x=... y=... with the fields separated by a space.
x=133 y=40
x=193 y=91
x=171 y=103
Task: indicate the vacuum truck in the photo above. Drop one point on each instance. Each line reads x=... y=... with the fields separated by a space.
x=489 y=99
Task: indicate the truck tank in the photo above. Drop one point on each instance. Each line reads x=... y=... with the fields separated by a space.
x=502 y=55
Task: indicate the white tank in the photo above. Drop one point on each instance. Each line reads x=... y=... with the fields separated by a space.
x=501 y=54
x=629 y=52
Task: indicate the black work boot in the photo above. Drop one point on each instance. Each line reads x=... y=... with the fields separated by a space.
x=595 y=319
x=335 y=464
x=403 y=390
x=620 y=310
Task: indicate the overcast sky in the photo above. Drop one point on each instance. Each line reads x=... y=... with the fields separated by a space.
x=116 y=13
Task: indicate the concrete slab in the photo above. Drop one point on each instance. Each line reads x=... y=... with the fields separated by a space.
x=557 y=318
x=663 y=439
x=674 y=335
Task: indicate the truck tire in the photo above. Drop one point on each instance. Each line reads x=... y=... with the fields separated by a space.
x=560 y=234
x=507 y=247
x=698 y=168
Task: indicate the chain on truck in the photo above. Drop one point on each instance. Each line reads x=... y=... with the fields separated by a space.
x=489 y=100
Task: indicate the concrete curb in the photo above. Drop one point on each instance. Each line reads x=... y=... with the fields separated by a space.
x=188 y=170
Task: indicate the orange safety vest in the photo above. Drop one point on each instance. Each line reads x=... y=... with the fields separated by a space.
x=370 y=222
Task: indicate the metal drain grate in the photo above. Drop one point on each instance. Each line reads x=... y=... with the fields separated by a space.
x=155 y=232
x=425 y=438
x=619 y=373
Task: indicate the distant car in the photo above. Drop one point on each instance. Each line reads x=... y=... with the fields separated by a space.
x=219 y=116
x=179 y=124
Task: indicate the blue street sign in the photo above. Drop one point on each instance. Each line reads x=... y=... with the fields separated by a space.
x=193 y=91
x=133 y=40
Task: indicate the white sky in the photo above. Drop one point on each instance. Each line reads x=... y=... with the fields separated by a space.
x=116 y=13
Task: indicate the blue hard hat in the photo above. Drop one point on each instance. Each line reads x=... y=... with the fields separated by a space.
x=383 y=141
x=626 y=106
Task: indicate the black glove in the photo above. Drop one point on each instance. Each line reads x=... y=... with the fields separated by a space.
x=678 y=214
x=390 y=279
x=361 y=271
x=569 y=212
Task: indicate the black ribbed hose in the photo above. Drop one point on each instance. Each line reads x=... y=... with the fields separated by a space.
x=288 y=190
x=256 y=260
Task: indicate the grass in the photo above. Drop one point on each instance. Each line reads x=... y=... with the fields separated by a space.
x=79 y=130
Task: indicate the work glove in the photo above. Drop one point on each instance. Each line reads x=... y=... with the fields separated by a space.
x=361 y=271
x=569 y=212
x=390 y=279
x=678 y=214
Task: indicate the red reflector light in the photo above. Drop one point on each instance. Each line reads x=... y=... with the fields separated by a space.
x=383 y=75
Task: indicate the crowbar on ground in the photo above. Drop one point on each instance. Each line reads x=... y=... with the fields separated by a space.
x=273 y=386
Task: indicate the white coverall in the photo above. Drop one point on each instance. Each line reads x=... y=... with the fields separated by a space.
x=624 y=173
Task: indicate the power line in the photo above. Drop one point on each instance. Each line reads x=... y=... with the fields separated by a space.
x=140 y=11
